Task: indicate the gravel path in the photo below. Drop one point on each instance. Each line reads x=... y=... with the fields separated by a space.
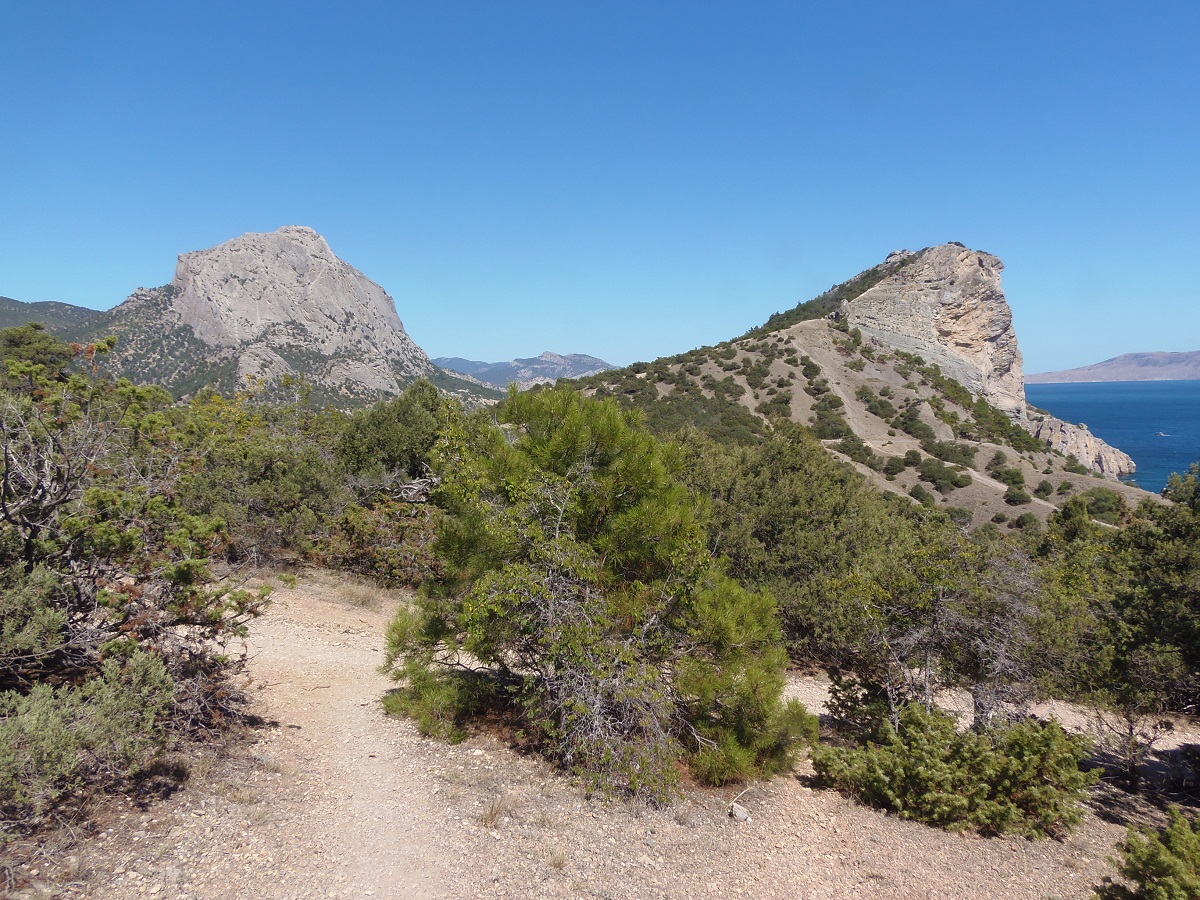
x=334 y=799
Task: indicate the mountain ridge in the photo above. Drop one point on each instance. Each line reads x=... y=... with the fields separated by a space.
x=547 y=368
x=1151 y=366
x=51 y=313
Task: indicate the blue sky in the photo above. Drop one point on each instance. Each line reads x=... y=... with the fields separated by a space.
x=623 y=179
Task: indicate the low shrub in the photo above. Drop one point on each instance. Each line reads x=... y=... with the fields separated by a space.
x=943 y=477
x=1105 y=505
x=960 y=515
x=1024 y=779
x=1009 y=475
x=921 y=495
x=1016 y=496
x=780 y=404
x=730 y=762
x=952 y=452
x=391 y=542
x=1161 y=864
x=910 y=421
x=854 y=447
x=440 y=702
x=876 y=405
x=54 y=741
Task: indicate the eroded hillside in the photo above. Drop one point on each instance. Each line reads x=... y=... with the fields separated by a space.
x=886 y=409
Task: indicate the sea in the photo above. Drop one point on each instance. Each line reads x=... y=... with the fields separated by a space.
x=1155 y=422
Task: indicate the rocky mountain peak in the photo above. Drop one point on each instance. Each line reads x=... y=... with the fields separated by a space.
x=269 y=296
x=946 y=304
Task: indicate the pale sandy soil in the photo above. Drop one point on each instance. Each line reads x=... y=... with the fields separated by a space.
x=334 y=799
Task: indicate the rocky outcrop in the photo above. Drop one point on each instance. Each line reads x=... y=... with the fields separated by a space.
x=946 y=305
x=285 y=304
x=1079 y=442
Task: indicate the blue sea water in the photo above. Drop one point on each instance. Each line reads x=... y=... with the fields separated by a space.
x=1155 y=422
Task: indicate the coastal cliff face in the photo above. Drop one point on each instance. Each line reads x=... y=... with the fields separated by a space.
x=1079 y=442
x=271 y=297
x=946 y=304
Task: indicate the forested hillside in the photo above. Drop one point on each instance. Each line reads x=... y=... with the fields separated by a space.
x=14 y=313
x=897 y=419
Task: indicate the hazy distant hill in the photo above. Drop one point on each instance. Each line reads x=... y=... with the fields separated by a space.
x=544 y=369
x=1130 y=367
x=55 y=316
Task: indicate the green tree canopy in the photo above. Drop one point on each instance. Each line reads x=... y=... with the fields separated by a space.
x=577 y=576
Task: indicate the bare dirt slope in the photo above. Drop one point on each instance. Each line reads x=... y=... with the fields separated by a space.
x=334 y=799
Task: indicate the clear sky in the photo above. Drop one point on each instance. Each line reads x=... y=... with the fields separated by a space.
x=625 y=179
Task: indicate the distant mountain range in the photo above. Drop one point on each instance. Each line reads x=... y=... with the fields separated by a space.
x=1130 y=367
x=55 y=316
x=544 y=369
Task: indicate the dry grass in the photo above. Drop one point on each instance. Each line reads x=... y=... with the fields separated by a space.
x=269 y=763
x=360 y=596
x=236 y=792
x=557 y=857
x=358 y=593
x=262 y=814
x=497 y=808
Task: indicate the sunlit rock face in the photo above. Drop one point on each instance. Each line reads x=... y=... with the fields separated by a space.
x=947 y=305
x=1079 y=442
x=284 y=303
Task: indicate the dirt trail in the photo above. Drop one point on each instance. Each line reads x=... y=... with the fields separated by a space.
x=334 y=799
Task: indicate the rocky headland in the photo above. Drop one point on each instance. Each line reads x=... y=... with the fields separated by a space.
x=1079 y=442
x=947 y=305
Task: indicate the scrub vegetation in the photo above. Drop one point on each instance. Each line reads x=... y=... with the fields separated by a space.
x=616 y=574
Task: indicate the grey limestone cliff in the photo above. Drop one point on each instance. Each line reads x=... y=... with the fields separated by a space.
x=946 y=304
x=261 y=307
x=277 y=298
x=1079 y=442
